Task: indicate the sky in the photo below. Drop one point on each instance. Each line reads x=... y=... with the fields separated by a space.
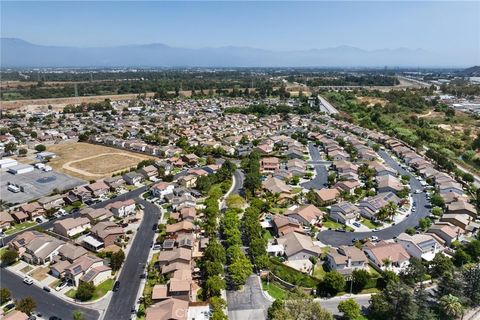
x=438 y=26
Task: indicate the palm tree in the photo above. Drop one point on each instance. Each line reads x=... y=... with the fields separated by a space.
x=451 y=306
x=391 y=209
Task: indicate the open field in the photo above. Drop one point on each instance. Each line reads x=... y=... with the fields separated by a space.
x=371 y=101
x=89 y=161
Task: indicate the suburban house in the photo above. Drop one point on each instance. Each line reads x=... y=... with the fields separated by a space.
x=327 y=196
x=95 y=215
x=52 y=202
x=6 y=220
x=161 y=189
x=185 y=200
x=35 y=247
x=420 y=246
x=344 y=212
x=446 y=233
x=71 y=226
x=298 y=246
x=82 y=266
x=114 y=182
x=98 y=188
x=387 y=255
x=463 y=221
x=306 y=215
x=33 y=210
x=148 y=172
x=269 y=164
x=133 y=178
x=284 y=225
x=169 y=309
x=345 y=259
x=274 y=185
x=389 y=183
x=183 y=226
x=462 y=207
x=107 y=233
x=122 y=208
x=369 y=207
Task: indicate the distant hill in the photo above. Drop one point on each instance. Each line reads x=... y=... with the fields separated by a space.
x=471 y=72
x=20 y=53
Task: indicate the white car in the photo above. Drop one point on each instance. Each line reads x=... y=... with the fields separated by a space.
x=61 y=286
x=374 y=238
x=418 y=191
x=28 y=280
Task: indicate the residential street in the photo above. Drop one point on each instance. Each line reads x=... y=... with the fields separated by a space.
x=249 y=303
x=321 y=178
x=335 y=238
x=47 y=304
x=124 y=299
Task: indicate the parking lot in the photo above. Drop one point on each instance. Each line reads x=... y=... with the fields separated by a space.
x=36 y=184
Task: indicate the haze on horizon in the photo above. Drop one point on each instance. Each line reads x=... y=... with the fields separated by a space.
x=449 y=29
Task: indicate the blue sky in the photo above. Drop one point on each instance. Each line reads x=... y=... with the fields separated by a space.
x=438 y=26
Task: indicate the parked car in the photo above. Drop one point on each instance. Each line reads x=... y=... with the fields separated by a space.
x=61 y=285
x=46 y=288
x=374 y=238
x=356 y=224
x=116 y=286
x=28 y=280
x=157 y=247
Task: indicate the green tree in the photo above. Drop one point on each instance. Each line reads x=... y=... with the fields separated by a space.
x=350 y=309
x=213 y=286
x=116 y=260
x=218 y=305
x=22 y=151
x=395 y=302
x=10 y=147
x=440 y=265
x=332 y=283
x=451 y=306
x=437 y=211
x=26 y=305
x=415 y=272
x=360 y=279
x=40 y=148
x=9 y=257
x=78 y=315
x=461 y=258
x=471 y=281
x=240 y=269
x=5 y=295
x=235 y=201
x=85 y=291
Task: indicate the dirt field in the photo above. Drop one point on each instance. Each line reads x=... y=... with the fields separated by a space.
x=371 y=101
x=89 y=162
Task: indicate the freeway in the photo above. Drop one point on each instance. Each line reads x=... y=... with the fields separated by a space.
x=124 y=299
x=321 y=178
x=47 y=304
x=335 y=238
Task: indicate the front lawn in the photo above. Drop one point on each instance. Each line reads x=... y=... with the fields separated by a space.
x=267 y=235
x=99 y=292
x=332 y=224
x=296 y=190
x=277 y=210
x=274 y=290
x=370 y=224
x=20 y=227
x=319 y=271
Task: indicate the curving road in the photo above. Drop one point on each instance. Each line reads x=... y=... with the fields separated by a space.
x=47 y=304
x=335 y=238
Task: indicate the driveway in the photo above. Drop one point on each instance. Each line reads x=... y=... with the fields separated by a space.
x=249 y=303
x=335 y=238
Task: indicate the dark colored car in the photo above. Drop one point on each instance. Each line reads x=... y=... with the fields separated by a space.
x=116 y=286
x=46 y=288
x=54 y=318
x=155 y=226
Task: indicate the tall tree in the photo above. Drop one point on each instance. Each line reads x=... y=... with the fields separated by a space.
x=451 y=306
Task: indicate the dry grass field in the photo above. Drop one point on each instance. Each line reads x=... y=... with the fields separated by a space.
x=371 y=101
x=88 y=161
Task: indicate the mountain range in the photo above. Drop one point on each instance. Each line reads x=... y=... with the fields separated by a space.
x=20 y=53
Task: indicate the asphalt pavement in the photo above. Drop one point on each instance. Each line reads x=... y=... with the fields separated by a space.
x=125 y=298
x=335 y=238
x=47 y=304
x=321 y=178
x=249 y=302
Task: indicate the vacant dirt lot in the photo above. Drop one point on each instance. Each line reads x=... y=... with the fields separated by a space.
x=371 y=101
x=89 y=161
